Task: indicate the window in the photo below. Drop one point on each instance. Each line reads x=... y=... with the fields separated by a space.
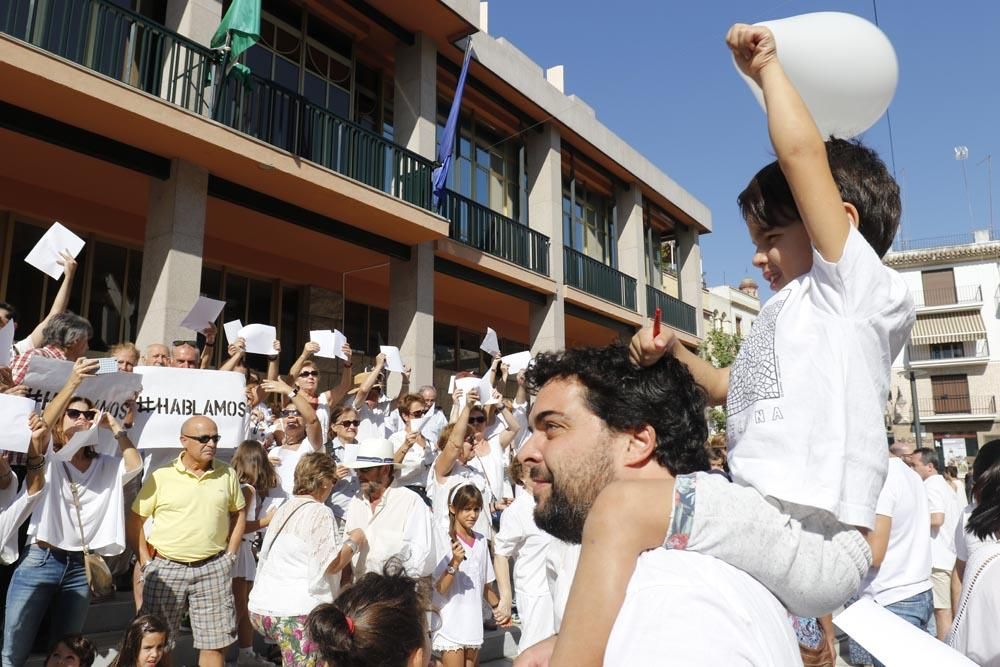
x=457 y=349
x=487 y=167
x=105 y=288
x=739 y=325
x=366 y=327
x=588 y=222
x=654 y=256
x=939 y=287
x=947 y=350
x=951 y=394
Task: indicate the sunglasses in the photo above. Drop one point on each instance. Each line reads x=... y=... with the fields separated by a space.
x=309 y=374
x=204 y=439
x=289 y=413
x=192 y=343
x=418 y=413
x=73 y=413
x=350 y=423
x=477 y=420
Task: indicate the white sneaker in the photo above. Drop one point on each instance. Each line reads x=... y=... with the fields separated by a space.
x=253 y=660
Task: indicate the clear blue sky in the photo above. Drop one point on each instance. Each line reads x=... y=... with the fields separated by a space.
x=659 y=75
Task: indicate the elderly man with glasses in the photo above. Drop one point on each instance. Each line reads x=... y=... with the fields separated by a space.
x=198 y=509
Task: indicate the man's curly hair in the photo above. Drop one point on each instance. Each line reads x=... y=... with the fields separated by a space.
x=627 y=397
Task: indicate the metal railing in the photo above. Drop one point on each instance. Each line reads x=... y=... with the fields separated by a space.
x=597 y=278
x=979 y=349
x=130 y=48
x=948 y=296
x=958 y=405
x=117 y=43
x=674 y=312
x=979 y=236
x=483 y=228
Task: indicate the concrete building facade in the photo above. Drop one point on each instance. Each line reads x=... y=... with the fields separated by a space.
x=732 y=309
x=302 y=195
x=950 y=369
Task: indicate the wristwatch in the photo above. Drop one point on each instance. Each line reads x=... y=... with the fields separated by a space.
x=293 y=393
x=355 y=547
x=451 y=569
x=122 y=433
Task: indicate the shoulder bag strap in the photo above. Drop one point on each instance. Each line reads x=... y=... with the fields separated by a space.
x=76 y=504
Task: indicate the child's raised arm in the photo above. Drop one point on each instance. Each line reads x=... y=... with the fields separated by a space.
x=797 y=142
x=646 y=349
x=627 y=518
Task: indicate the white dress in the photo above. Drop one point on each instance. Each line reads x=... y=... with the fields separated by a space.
x=245 y=566
x=461 y=608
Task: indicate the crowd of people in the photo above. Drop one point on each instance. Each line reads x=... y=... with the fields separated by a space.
x=582 y=498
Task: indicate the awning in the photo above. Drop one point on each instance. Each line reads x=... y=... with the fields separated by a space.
x=947 y=328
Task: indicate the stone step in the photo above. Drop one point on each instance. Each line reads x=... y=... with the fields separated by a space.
x=111 y=615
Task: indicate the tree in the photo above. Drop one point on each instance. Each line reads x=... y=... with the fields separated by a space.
x=719 y=348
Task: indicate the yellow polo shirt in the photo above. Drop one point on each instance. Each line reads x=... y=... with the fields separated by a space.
x=191 y=514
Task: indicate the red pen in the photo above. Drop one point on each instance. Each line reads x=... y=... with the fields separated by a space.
x=657 y=314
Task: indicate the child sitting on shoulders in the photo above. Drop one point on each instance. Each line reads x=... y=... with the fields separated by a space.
x=804 y=397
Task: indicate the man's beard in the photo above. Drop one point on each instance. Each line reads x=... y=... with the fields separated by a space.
x=566 y=509
x=372 y=488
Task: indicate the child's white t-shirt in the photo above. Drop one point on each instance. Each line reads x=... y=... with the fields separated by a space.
x=461 y=608
x=810 y=382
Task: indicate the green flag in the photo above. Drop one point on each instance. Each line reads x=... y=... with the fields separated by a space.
x=240 y=28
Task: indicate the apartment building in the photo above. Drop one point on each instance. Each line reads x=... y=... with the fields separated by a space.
x=948 y=375
x=302 y=195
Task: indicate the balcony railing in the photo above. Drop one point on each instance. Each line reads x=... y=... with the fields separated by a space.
x=136 y=51
x=598 y=279
x=944 y=353
x=958 y=405
x=480 y=227
x=947 y=296
x=966 y=238
x=675 y=312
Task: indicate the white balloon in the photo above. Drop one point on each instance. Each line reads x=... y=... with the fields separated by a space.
x=843 y=66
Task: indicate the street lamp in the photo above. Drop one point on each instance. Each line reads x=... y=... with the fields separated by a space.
x=912 y=376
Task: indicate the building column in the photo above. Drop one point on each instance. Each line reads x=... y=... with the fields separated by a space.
x=632 y=241
x=411 y=312
x=195 y=19
x=689 y=283
x=547 y=322
x=411 y=282
x=172 y=253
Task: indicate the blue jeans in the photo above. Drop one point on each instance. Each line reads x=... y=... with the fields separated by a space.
x=917 y=610
x=45 y=579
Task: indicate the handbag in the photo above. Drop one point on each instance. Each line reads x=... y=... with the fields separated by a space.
x=99 y=576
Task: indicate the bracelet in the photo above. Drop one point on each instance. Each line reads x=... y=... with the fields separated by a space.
x=346 y=365
x=293 y=393
x=209 y=344
x=36 y=466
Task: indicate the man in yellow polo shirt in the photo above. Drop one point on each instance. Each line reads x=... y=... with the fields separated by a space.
x=197 y=506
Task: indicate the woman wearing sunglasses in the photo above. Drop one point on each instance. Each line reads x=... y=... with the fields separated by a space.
x=83 y=495
x=305 y=376
x=344 y=425
x=303 y=433
x=412 y=453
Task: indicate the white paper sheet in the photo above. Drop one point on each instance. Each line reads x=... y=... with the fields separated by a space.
x=451 y=385
x=516 y=362
x=232 y=330
x=331 y=343
x=6 y=343
x=204 y=312
x=79 y=440
x=466 y=384
x=892 y=640
x=45 y=255
x=393 y=362
x=486 y=390
x=417 y=425
x=109 y=392
x=14 y=412
x=259 y=338
x=490 y=344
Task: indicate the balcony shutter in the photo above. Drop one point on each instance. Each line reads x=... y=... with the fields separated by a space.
x=939 y=287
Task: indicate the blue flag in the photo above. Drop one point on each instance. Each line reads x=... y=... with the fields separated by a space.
x=439 y=177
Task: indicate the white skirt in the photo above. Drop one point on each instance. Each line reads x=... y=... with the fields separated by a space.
x=246 y=565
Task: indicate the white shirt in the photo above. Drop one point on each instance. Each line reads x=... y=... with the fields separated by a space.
x=974 y=629
x=685 y=608
x=493 y=465
x=399 y=526
x=298 y=548
x=438 y=493
x=416 y=462
x=461 y=607
x=102 y=506
x=906 y=568
x=14 y=510
x=808 y=386
x=287 y=458
x=373 y=420
x=519 y=538
x=967 y=544
x=345 y=488
x=941 y=498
